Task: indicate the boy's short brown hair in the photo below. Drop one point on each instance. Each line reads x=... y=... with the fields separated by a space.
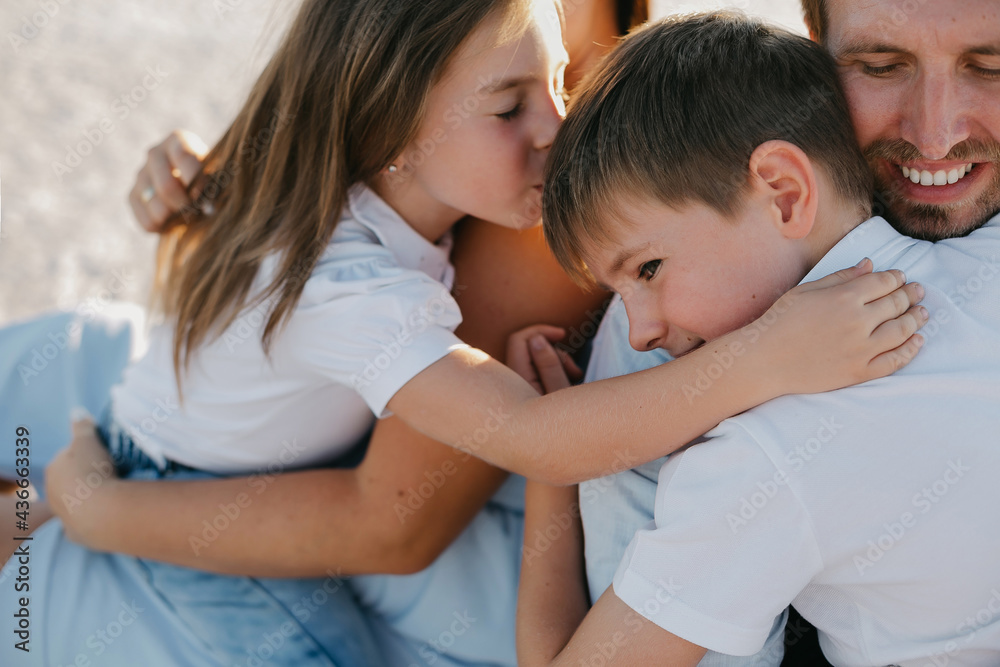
x=674 y=114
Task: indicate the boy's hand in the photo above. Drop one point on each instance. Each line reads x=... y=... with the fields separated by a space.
x=161 y=185
x=531 y=354
x=75 y=479
x=850 y=327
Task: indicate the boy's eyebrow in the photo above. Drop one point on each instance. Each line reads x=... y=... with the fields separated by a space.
x=624 y=256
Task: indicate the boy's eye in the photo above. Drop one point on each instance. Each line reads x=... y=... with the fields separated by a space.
x=508 y=116
x=648 y=270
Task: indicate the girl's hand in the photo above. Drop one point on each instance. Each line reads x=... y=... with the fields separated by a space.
x=531 y=354
x=160 y=189
x=850 y=327
x=76 y=479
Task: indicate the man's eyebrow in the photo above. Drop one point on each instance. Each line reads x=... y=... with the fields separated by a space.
x=861 y=45
x=985 y=50
x=854 y=47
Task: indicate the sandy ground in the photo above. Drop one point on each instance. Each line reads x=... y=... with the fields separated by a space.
x=86 y=87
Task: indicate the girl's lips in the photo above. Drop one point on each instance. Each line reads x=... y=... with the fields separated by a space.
x=952 y=193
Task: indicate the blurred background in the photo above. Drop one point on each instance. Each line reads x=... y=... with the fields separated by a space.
x=87 y=87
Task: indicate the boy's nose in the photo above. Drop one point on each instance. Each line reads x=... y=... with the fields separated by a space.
x=647 y=335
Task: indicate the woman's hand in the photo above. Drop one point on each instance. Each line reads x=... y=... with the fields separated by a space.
x=161 y=186
x=531 y=355
x=850 y=327
x=77 y=479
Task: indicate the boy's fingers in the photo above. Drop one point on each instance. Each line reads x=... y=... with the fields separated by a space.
x=569 y=365
x=841 y=277
x=895 y=304
x=889 y=362
x=547 y=363
x=874 y=286
x=551 y=333
x=896 y=332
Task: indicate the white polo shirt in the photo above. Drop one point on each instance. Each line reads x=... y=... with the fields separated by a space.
x=375 y=312
x=874 y=510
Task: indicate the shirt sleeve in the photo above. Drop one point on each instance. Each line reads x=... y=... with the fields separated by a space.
x=731 y=548
x=374 y=326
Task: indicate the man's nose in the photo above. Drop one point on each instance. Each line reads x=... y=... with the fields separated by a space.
x=934 y=117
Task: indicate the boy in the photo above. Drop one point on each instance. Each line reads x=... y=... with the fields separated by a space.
x=709 y=166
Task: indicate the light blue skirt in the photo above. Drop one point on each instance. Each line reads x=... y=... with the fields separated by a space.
x=108 y=609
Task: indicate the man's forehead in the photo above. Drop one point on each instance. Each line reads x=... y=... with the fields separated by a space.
x=872 y=26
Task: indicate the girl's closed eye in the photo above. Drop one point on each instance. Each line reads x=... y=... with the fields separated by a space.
x=508 y=116
x=648 y=270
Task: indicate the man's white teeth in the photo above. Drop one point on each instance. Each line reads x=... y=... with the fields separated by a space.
x=938 y=177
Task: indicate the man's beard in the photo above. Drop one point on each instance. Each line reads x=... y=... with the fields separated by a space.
x=933 y=222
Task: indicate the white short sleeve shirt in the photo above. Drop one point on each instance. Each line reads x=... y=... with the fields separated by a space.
x=375 y=312
x=872 y=509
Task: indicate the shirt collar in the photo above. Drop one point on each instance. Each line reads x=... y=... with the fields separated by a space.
x=411 y=249
x=875 y=238
x=879 y=241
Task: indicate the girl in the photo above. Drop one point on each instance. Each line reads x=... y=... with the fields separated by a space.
x=438 y=111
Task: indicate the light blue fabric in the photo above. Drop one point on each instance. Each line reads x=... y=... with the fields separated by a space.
x=117 y=610
x=614 y=507
x=53 y=363
x=461 y=609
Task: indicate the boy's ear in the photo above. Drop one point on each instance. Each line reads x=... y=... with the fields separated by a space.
x=786 y=176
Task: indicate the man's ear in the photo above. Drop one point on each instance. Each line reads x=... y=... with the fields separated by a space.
x=787 y=178
x=813 y=35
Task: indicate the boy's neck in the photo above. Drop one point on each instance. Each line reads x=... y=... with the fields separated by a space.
x=833 y=223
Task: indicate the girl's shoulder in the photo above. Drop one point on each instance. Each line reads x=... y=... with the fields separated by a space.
x=374 y=249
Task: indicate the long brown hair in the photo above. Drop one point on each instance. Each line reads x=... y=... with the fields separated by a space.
x=342 y=97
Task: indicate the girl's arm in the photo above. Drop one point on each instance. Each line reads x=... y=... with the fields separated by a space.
x=308 y=523
x=818 y=337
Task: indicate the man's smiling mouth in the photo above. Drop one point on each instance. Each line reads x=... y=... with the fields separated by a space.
x=936 y=178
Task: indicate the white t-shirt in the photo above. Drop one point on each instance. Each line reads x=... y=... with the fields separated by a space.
x=873 y=509
x=375 y=312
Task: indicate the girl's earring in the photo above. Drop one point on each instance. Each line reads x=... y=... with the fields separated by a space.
x=393 y=169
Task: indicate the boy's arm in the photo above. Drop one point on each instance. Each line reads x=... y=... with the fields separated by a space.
x=552 y=598
x=620 y=636
x=553 y=623
x=821 y=336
